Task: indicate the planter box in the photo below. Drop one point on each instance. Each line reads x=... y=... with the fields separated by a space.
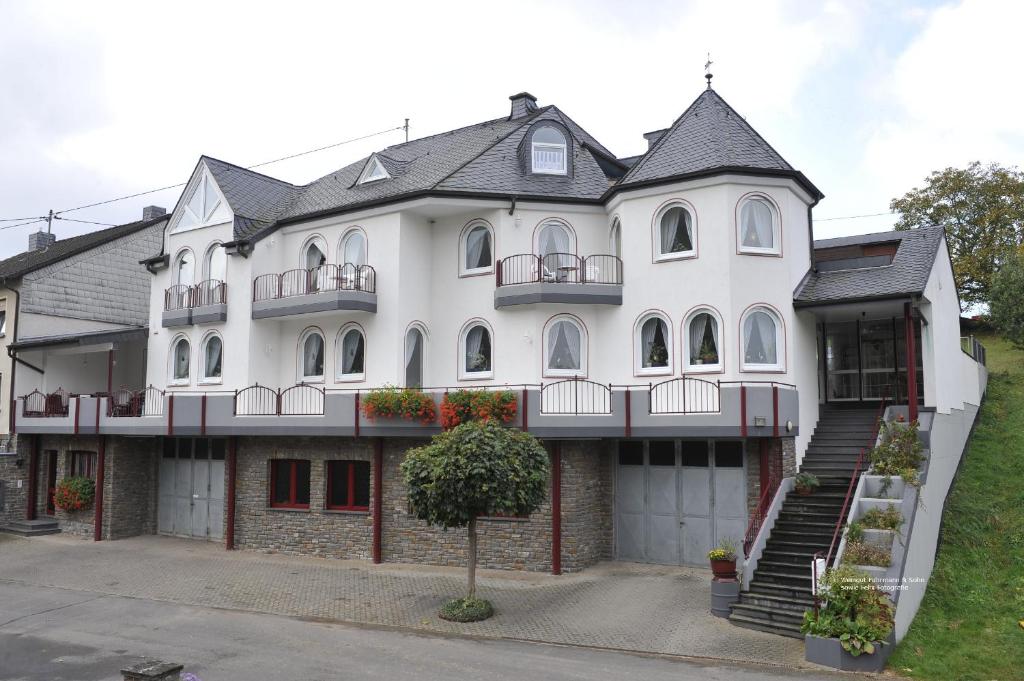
x=829 y=652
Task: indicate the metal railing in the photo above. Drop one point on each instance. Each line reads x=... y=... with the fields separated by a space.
x=302 y=282
x=178 y=297
x=184 y=297
x=575 y=396
x=136 y=403
x=685 y=395
x=558 y=268
x=973 y=347
x=39 y=404
x=298 y=400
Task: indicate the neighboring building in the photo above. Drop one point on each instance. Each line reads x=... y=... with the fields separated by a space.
x=668 y=324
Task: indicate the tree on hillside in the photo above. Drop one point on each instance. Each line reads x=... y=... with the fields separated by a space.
x=982 y=209
x=477 y=469
x=1006 y=305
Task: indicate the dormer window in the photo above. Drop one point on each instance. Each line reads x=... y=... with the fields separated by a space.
x=548 y=151
x=373 y=171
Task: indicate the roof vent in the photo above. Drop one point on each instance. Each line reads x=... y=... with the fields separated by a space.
x=653 y=137
x=40 y=241
x=523 y=104
x=152 y=212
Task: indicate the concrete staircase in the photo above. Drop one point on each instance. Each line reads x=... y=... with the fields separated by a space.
x=31 y=528
x=780 y=590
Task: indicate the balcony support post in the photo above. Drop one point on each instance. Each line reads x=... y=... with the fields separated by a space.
x=232 y=466
x=556 y=508
x=908 y=320
x=378 y=501
x=101 y=464
x=33 y=478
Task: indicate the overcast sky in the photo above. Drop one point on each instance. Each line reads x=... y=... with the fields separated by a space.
x=104 y=99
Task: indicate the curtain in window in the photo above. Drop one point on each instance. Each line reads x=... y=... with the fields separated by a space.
x=554 y=239
x=315 y=259
x=185 y=269
x=756 y=222
x=759 y=339
x=214 y=350
x=478 y=350
x=217 y=264
x=565 y=342
x=653 y=349
x=478 y=248
x=413 y=359
x=181 y=357
x=352 y=352
x=676 y=232
x=617 y=239
x=313 y=356
x=355 y=249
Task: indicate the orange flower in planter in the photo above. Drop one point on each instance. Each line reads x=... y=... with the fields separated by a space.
x=74 y=494
x=461 y=406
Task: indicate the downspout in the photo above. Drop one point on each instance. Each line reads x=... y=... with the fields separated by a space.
x=810 y=234
x=11 y=399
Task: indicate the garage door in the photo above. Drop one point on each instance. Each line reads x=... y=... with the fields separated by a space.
x=676 y=499
x=191 y=500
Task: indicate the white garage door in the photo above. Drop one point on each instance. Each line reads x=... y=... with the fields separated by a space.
x=191 y=500
x=676 y=499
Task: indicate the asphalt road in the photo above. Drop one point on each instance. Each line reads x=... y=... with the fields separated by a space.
x=59 y=634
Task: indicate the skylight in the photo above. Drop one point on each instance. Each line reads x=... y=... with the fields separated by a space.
x=373 y=171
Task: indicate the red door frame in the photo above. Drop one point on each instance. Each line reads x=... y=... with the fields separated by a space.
x=51 y=481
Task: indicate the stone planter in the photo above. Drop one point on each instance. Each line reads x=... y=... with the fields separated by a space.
x=829 y=652
x=723 y=569
x=724 y=592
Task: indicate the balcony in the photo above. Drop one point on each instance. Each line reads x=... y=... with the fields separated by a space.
x=526 y=278
x=204 y=303
x=327 y=288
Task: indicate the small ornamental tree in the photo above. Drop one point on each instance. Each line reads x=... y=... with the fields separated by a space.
x=1007 y=292
x=478 y=468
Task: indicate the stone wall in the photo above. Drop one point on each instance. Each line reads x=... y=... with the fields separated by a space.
x=587 y=480
x=15 y=498
x=787 y=446
x=788 y=456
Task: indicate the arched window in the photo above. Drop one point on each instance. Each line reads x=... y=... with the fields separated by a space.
x=353 y=248
x=758 y=226
x=311 y=355
x=653 y=345
x=185 y=268
x=674 y=234
x=350 y=363
x=314 y=257
x=548 y=151
x=702 y=341
x=215 y=265
x=763 y=340
x=414 y=340
x=212 y=355
x=181 y=355
x=565 y=347
x=615 y=239
x=556 y=246
x=475 y=351
x=477 y=249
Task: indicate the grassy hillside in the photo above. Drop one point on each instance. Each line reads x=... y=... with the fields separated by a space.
x=968 y=626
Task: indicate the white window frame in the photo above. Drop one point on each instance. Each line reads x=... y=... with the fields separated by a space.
x=552 y=146
x=320 y=243
x=343 y=243
x=584 y=343
x=464 y=373
x=208 y=261
x=176 y=269
x=659 y=256
x=780 y=342
x=171 y=380
x=373 y=172
x=615 y=238
x=464 y=249
x=203 y=378
x=422 y=329
x=300 y=367
x=638 y=365
x=339 y=365
x=703 y=368
x=776 y=248
x=207 y=213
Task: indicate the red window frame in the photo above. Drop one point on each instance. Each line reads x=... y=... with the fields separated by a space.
x=293 y=486
x=349 y=481
x=83 y=464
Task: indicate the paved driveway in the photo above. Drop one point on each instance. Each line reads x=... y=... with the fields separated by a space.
x=614 y=605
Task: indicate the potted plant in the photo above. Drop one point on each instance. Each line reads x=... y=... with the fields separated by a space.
x=74 y=493
x=461 y=406
x=708 y=355
x=805 y=483
x=404 y=403
x=658 y=356
x=723 y=560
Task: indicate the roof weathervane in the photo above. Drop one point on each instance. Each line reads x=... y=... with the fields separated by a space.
x=707 y=70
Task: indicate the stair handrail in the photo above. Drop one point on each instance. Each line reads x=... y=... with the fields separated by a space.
x=758 y=516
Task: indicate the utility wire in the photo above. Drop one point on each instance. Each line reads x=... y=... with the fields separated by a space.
x=22 y=224
x=85 y=222
x=17 y=219
x=851 y=217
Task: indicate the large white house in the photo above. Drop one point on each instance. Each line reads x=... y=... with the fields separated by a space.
x=666 y=322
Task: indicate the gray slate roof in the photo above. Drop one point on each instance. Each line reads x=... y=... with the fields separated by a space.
x=907 y=275
x=257 y=200
x=29 y=261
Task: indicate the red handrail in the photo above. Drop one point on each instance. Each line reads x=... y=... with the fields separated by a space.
x=758 y=516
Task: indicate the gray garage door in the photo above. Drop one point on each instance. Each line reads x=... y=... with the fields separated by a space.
x=676 y=499
x=191 y=500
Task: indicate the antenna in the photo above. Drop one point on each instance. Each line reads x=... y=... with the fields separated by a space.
x=49 y=222
x=406 y=126
x=707 y=70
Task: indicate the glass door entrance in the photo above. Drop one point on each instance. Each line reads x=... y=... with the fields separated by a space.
x=866 y=360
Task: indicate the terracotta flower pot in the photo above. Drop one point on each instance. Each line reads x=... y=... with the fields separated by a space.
x=805 y=491
x=724 y=569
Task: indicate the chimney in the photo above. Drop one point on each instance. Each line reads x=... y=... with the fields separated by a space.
x=523 y=104
x=151 y=212
x=653 y=137
x=40 y=241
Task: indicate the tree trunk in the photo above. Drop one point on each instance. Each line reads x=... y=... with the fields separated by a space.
x=471 y=558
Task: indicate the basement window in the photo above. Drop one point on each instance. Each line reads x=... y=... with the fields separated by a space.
x=348 y=485
x=289 y=483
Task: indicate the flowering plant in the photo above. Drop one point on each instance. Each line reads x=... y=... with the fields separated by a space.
x=394 y=402
x=74 y=493
x=466 y=405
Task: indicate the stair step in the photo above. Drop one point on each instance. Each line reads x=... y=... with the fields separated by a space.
x=31 y=528
x=772 y=555
x=805 y=516
x=836 y=448
x=767 y=627
x=781 y=590
x=797 y=605
x=784 y=578
x=796 y=546
x=810 y=526
x=774 y=615
x=796 y=569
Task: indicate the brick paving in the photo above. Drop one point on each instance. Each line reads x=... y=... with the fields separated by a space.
x=622 y=606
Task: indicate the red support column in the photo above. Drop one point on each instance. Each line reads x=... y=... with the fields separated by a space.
x=743 y=410
x=556 y=508
x=101 y=461
x=775 y=411
x=908 y=320
x=229 y=531
x=356 y=415
x=202 y=415
x=33 y=479
x=378 y=501
x=765 y=473
x=170 y=414
x=110 y=371
x=629 y=412
x=526 y=408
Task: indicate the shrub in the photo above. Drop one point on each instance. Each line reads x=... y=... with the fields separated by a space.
x=806 y=481
x=898 y=453
x=394 y=402
x=1007 y=291
x=879 y=519
x=74 y=493
x=467 y=405
x=856 y=611
x=855 y=532
x=466 y=610
x=861 y=553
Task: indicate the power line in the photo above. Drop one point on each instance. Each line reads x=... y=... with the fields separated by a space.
x=22 y=224
x=851 y=217
x=85 y=222
x=17 y=219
